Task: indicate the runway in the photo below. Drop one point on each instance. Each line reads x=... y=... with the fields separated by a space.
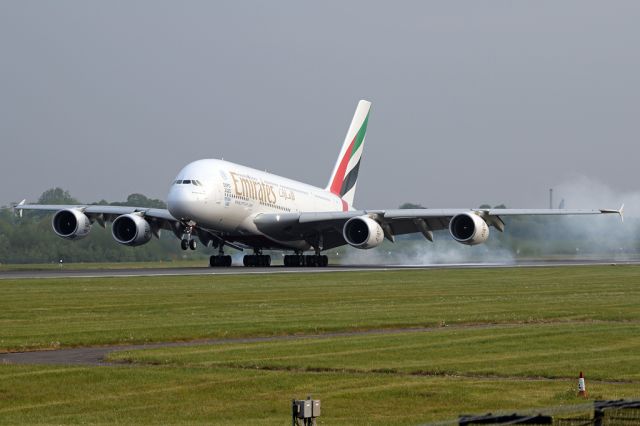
x=70 y=272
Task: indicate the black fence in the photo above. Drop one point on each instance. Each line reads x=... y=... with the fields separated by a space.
x=604 y=413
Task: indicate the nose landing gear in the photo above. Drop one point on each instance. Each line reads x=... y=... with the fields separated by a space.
x=187 y=241
x=186 y=244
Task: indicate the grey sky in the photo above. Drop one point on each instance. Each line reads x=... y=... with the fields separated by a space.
x=473 y=101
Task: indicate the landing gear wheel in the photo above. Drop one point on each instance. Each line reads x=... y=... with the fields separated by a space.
x=294 y=260
x=324 y=261
x=193 y=244
x=184 y=244
x=220 y=260
x=311 y=260
x=257 y=260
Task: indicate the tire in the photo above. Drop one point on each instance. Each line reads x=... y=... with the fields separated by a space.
x=213 y=261
x=227 y=261
x=184 y=244
x=193 y=244
x=324 y=261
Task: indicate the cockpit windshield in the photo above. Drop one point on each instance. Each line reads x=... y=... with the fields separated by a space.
x=188 y=182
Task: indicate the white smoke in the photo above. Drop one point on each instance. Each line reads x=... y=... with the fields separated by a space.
x=582 y=192
x=443 y=251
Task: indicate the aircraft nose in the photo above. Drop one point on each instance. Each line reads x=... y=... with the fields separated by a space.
x=181 y=202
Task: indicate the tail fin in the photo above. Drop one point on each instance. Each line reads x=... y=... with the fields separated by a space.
x=345 y=172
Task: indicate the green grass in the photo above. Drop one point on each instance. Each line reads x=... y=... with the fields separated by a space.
x=46 y=313
x=516 y=338
x=170 y=395
x=532 y=351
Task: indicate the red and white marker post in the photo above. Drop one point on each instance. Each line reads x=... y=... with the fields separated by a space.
x=582 y=388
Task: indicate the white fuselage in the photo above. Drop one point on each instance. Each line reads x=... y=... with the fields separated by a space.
x=225 y=197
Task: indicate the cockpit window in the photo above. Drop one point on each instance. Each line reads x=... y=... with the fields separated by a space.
x=188 y=182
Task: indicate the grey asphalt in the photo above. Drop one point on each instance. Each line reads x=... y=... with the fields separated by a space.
x=69 y=272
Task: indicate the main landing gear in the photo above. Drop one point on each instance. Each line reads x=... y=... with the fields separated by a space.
x=311 y=260
x=257 y=259
x=220 y=259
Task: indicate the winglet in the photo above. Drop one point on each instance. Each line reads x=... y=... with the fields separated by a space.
x=19 y=210
x=619 y=212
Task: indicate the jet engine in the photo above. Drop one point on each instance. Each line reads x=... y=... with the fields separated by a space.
x=71 y=224
x=363 y=232
x=131 y=230
x=469 y=229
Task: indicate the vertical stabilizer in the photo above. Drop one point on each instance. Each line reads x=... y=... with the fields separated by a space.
x=345 y=172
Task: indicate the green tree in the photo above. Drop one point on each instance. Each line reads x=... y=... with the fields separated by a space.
x=411 y=206
x=140 y=200
x=56 y=196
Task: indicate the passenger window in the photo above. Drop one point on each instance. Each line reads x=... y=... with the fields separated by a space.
x=178 y=182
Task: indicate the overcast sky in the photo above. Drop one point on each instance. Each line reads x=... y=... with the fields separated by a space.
x=473 y=102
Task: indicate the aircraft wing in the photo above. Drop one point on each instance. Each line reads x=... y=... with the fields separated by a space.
x=157 y=218
x=329 y=225
x=102 y=213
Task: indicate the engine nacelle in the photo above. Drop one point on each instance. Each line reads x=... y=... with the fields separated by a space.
x=131 y=230
x=71 y=224
x=363 y=232
x=469 y=229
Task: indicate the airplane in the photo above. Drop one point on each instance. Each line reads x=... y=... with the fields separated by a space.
x=229 y=205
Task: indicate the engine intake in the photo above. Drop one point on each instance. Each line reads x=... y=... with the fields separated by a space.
x=71 y=224
x=469 y=229
x=363 y=232
x=131 y=230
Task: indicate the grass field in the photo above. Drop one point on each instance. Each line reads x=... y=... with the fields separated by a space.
x=496 y=339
